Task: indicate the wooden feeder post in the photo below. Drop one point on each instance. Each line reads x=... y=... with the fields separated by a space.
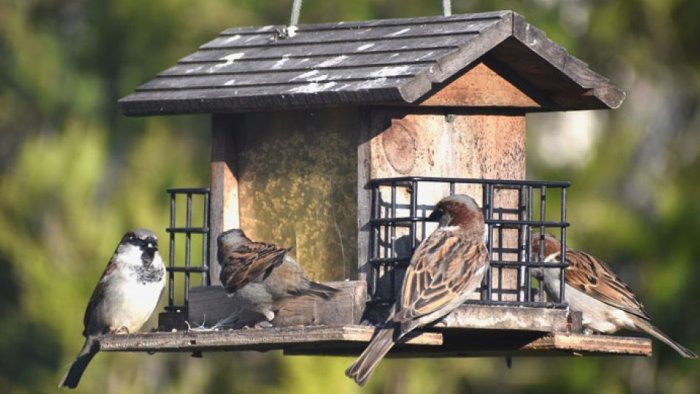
x=302 y=123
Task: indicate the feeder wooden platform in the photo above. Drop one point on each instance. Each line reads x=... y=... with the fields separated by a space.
x=311 y=326
x=261 y=339
x=351 y=340
x=209 y=305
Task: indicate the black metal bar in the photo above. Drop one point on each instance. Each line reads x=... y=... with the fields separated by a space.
x=392 y=242
x=413 y=213
x=187 y=231
x=505 y=223
x=384 y=222
x=503 y=182
x=188 y=269
x=521 y=246
x=171 y=254
x=188 y=247
x=563 y=248
x=374 y=247
x=528 y=245
x=489 y=239
x=185 y=190
x=206 y=280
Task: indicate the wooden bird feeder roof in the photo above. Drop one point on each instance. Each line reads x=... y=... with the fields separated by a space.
x=392 y=61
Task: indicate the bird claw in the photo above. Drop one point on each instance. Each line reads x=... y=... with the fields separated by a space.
x=119 y=331
x=264 y=324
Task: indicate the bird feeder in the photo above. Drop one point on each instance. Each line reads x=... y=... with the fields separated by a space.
x=338 y=139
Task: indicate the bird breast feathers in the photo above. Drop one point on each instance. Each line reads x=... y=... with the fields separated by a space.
x=443 y=267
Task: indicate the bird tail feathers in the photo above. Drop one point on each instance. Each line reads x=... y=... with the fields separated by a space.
x=649 y=328
x=321 y=291
x=75 y=372
x=363 y=367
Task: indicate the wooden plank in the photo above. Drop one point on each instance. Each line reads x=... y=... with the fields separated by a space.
x=497 y=343
x=223 y=211
x=481 y=86
x=591 y=344
x=303 y=91
x=292 y=79
x=364 y=202
x=354 y=34
x=241 y=100
x=288 y=70
x=250 y=339
x=576 y=70
x=210 y=305
x=324 y=49
x=509 y=318
x=353 y=25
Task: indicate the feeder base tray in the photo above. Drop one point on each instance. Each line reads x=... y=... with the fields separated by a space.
x=350 y=340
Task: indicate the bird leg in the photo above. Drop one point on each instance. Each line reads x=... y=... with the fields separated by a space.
x=119 y=331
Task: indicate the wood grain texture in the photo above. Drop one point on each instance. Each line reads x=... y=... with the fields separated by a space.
x=508 y=318
x=351 y=340
x=251 y=339
x=223 y=203
x=481 y=86
x=210 y=305
x=499 y=343
x=396 y=61
x=443 y=144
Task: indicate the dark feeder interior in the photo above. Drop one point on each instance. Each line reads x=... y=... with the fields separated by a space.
x=338 y=141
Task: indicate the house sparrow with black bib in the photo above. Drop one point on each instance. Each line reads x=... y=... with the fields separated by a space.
x=124 y=298
x=606 y=303
x=258 y=275
x=444 y=271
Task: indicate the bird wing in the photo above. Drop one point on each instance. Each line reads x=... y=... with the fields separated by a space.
x=248 y=262
x=594 y=278
x=98 y=294
x=443 y=267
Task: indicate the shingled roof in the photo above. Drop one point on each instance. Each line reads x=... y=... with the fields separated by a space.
x=393 y=61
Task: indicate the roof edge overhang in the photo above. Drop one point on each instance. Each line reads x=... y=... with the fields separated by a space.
x=566 y=82
x=590 y=83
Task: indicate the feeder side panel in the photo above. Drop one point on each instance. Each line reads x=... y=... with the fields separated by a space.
x=437 y=143
x=224 y=184
x=297 y=186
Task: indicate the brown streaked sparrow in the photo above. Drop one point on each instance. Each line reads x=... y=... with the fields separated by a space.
x=258 y=275
x=444 y=271
x=606 y=303
x=124 y=298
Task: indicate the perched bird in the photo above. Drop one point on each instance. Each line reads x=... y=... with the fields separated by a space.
x=606 y=303
x=258 y=275
x=124 y=298
x=444 y=271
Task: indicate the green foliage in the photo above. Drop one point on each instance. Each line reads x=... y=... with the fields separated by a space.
x=75 y=174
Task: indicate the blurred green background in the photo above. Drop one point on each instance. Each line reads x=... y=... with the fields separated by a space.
x=75 y=174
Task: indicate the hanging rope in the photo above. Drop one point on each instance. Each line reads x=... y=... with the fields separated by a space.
x=296 y=10
x=446 y=7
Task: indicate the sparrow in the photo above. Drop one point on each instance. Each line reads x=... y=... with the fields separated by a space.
x=444 y=271
x=258 y=275
x=124 y=298
x=607 y=304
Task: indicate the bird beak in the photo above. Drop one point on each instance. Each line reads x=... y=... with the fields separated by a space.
x=435 y=215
